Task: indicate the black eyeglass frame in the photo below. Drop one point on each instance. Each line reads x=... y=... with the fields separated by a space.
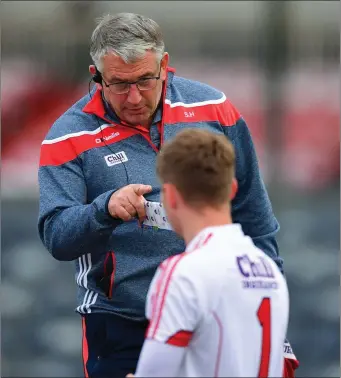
x=129 y=83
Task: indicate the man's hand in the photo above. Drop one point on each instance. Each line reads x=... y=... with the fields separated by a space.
x=128 y=202
x=130 y=376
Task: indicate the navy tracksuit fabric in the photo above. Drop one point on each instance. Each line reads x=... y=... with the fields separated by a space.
x=113 y=345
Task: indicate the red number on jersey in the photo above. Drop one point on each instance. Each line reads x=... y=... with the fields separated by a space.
x=264 y=317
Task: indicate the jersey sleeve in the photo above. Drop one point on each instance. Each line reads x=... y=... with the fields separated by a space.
x=172 y=305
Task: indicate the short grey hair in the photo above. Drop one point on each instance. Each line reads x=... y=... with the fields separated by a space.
x=127 y=35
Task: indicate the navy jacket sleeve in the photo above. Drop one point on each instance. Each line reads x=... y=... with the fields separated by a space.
x=252 y=207
x=69 y=226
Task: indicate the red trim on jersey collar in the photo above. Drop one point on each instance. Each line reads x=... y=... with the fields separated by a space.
x=95 y=105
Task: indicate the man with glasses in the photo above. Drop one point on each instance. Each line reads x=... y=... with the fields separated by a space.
x=99 y=193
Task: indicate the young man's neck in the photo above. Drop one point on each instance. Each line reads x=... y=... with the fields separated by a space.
x=197 y=221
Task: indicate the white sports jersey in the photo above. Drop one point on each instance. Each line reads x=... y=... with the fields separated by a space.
x=226 y=302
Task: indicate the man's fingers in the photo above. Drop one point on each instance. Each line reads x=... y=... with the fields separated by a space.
x=128 y=202
x=141 y=211
x=129 y=207
x=138 y=203
x=141 y=189
x=123 y=214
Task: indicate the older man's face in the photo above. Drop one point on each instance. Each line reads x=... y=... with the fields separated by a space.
x=137 y=106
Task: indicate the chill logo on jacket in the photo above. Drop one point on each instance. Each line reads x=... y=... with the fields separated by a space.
x=117 y=158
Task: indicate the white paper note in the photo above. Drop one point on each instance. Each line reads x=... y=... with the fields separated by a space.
x=156 y=216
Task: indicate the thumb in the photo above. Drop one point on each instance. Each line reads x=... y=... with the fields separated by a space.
x=141 y=189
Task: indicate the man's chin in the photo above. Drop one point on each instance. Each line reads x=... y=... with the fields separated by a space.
x=137 y=119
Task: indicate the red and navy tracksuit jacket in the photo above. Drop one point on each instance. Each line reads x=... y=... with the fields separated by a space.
x=88 y=154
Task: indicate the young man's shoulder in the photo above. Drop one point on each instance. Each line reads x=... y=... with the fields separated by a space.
x=187 y=266
x=179 y=265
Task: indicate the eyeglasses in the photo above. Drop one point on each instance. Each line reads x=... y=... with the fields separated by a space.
x=144 y=84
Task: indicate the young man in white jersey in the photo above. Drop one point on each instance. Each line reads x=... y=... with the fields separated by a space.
x=221 y=308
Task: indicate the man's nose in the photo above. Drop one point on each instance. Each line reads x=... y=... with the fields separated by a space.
x=134 y=95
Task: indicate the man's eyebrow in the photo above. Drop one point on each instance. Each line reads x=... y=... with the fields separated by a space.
x=148 y=74
x=118 y=80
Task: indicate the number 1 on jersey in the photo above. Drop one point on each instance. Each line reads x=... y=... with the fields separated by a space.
x=264 y=317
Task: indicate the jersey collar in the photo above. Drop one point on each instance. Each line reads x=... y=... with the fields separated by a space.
x=230 y=230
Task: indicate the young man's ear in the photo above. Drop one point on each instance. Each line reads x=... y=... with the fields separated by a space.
x=234 y=188
x=169 y=196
